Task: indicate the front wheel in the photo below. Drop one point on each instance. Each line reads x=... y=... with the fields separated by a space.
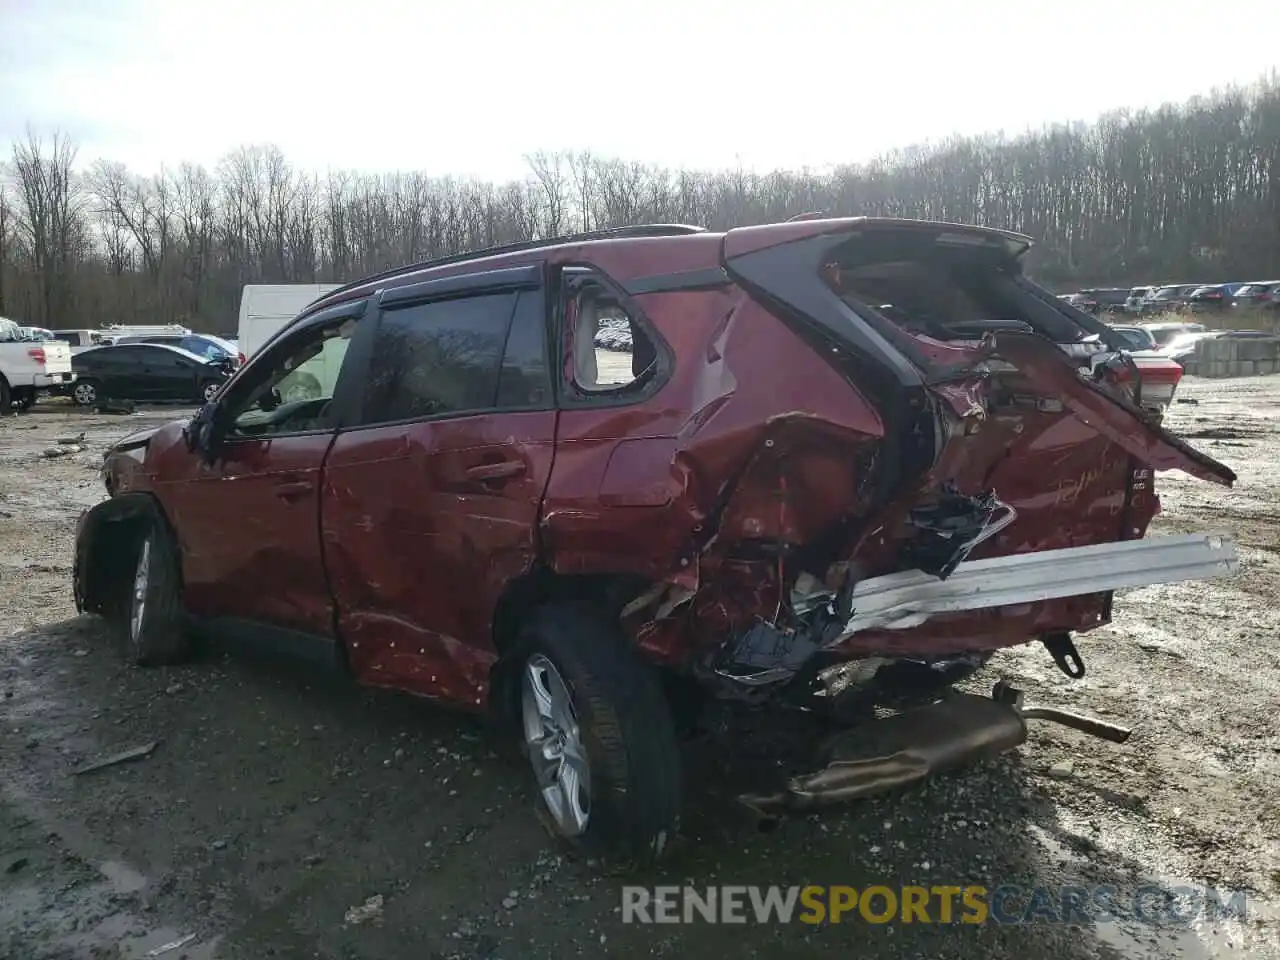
x=148 y=617
x=599 y=737
x=86 y=392
x=209 y=391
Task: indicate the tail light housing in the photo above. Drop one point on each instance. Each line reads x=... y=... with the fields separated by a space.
x=242 y=359
x=38 y=355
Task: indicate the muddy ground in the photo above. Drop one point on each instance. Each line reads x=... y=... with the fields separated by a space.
x=278 y=798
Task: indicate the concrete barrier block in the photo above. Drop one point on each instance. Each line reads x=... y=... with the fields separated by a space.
x=1256 y=350
x=1217 y=368
x=1242 y=368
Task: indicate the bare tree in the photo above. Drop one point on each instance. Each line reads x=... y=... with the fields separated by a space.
x=1179 y=193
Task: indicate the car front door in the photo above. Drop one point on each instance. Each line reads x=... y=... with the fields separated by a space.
x=248 y=524
x=431 y=500
x=172 y=376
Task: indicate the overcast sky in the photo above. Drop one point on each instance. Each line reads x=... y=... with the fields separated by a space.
x=470 y=86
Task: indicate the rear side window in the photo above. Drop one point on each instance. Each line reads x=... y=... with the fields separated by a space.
x=438 y=358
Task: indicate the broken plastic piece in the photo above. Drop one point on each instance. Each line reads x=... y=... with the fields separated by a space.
x=951 y=527
x=124 y=756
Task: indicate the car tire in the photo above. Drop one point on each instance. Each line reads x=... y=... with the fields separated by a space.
x=6 y=398
x=87 y=393
x=24 y=399
x=599 y=735
x=209 y=391
x=148 y=616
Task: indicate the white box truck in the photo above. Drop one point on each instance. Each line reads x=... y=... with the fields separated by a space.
x=264 y=309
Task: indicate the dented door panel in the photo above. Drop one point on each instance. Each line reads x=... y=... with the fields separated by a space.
x=424 y=524
x=252 y=519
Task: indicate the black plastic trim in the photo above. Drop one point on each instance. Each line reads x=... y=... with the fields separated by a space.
x=708 y=279
x=506 y=280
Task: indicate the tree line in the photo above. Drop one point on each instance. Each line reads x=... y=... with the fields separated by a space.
x=1181 y=193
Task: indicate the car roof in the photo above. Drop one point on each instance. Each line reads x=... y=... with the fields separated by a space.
x=651 y=235
x=153 y=346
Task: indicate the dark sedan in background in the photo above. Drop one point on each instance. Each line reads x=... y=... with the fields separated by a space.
x=204 y=345
x=147 y=372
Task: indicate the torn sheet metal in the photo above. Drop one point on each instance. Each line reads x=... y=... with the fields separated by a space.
x=906 y=599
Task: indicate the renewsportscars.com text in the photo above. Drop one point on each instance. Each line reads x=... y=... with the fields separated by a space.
x=970 y=904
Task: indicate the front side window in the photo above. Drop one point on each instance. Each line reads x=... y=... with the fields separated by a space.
x=292 y=390
x=439 y=358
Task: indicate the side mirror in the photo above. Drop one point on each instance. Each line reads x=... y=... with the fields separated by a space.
x=205 y=431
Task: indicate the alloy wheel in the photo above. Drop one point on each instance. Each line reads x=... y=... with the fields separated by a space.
x=141 y=580
x=554 y=745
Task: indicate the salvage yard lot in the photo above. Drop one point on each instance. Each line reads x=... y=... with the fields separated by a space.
x=279 y=798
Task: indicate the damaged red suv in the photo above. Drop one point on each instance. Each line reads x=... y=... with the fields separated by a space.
x=810 y=465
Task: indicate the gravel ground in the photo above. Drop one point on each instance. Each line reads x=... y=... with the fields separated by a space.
x=278 y=799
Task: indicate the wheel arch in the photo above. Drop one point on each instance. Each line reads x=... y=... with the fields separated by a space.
x=606 y=594
x=106 y=540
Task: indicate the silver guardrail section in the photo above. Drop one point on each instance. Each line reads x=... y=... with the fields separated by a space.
x=900 y=600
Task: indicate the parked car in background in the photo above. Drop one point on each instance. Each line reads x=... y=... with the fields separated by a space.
x=1168 y=299
x=1211 y=298
x=1080 y=301
x=1162 y=333
x=148 y=372
x=483 y=508
x=1137 y=338
x=1108 y=299
x=35 y=334
x=1133 y=302
x=29 y=368
x=201 y=344
x=1259 y=294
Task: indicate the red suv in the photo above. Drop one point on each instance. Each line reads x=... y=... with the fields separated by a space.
x=817 y=465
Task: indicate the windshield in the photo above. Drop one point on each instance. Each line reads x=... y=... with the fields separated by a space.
x=1167 y=293
x=1203 y=290
x=1137 y=339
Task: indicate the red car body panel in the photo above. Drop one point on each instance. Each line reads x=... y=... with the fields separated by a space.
x=424 y=526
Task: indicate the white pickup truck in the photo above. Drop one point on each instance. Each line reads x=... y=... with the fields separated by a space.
x=29 y=368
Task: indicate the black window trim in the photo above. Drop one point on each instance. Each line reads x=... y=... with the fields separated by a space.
x=520 y=280
x=350 y=373
x=624 y=395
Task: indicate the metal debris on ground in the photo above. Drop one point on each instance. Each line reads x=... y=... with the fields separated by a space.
x=66 y=441
x=171 y=945
x=368 y=912
x=124 y=756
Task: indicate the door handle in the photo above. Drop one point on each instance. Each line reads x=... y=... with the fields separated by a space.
x=293 y=490
x=502 y=470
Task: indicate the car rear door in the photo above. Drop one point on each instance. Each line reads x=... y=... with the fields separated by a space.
x=431 y=499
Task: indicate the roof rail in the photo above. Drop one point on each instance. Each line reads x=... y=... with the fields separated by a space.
x=612 y=233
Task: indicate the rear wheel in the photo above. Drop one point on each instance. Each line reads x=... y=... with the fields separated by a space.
x=6 y=398
x=87 y=392
x=599 y=736
x=24 y=399
x=147 y=614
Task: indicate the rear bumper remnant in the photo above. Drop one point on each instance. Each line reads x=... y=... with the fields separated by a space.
x=908 y=598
